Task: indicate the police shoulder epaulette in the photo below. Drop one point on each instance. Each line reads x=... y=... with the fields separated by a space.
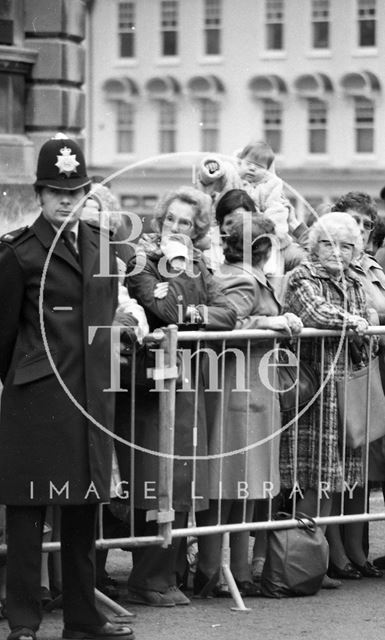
x=12 y=236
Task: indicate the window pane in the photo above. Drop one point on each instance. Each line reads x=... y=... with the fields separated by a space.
x=125 y=127
x=274 y=139
x=212 y=27
x=12 y=100
x=367 y=23
x=274 y=18
x=320 y=35
x=126 y=29
x=317 y=124
x=272 y=120
x=209 y=126
x=5 y=103
x=167 y=127
x=18 y=103
x=127 y=45
x=169 y=43
x=317 y=141
x=274 y=36
x=212 y=42
x=367 y=33
x=364 y=141
x=169 y=27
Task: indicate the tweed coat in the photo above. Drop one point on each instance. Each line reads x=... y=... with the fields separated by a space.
x=241 y=419
x=183 y=290
x=50 y=453
x=320 y=301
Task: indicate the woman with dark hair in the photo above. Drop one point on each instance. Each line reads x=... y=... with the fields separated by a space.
x=236 y=205
x=245 y=410
x=232 y=207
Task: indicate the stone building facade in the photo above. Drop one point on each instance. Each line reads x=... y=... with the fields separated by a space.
x=42 y=73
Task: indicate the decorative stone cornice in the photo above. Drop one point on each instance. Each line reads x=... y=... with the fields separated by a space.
x=16 y=59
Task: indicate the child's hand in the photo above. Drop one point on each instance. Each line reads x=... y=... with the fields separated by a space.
x=212 y=166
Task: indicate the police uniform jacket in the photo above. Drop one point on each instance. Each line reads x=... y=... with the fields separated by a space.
x=52 y=450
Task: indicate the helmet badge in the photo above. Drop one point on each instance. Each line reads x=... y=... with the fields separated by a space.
x=67 y=163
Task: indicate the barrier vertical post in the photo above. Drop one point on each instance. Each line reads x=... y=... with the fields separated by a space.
x=166 y=432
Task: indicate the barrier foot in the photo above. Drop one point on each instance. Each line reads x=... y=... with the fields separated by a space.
x=240 y=605
x=117 y=609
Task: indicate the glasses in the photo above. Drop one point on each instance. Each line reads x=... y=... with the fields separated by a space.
x=344 y=247
x=183 y=223
x=367 y=224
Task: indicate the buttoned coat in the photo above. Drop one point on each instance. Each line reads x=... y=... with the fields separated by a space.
x=51 y=452
x=244 y=417
x=183 y=290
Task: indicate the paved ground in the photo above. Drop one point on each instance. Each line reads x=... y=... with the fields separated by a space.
x=354 y=612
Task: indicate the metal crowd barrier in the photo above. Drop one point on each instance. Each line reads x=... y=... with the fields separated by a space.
x=211 y=350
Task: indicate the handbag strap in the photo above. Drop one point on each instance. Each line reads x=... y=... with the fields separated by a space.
x=306 y=522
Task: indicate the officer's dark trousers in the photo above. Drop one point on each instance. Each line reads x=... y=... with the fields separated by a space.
x=24 y=537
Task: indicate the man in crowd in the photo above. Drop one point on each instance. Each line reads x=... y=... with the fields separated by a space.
x=55 y=366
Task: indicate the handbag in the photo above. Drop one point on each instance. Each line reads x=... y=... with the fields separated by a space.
x=353 y=412
x=291 y=377
x=296 y=559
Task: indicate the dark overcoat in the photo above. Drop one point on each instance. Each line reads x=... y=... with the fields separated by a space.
x=183 y=290
x=51 y=452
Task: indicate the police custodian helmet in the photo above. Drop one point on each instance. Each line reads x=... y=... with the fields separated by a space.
x=61 y=165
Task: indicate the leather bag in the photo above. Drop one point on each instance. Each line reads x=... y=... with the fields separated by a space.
x=296 y=559
x=360 y=388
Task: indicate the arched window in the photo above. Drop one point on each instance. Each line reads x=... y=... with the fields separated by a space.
x=364 y=125
x=209 y=125
x=167 y=127
x=272 y=124
x=125 y=129
x=317 y=125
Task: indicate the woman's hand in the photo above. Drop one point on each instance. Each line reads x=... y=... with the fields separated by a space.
x=278 y=323
x=161 y=290
x=295 y=323
x=358 y=324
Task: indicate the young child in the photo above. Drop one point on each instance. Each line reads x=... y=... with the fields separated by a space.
x=253 y=171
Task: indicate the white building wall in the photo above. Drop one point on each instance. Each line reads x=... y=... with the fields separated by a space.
x=243 y=57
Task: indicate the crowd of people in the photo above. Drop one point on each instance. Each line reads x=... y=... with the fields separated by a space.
x=228 y=253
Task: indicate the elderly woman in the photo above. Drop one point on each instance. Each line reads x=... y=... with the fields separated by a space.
x=240 y=418
x=363 y=210
x=170 y=279
x=326 y=294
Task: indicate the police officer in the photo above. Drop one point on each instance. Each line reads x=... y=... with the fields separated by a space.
x=54 y=365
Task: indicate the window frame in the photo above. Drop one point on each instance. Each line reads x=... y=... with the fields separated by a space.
x=169 y=28
x=277 y=20
x=125 y=129
x=210 y=125
x=317 y=18
x=128 y=30
x=362 y=19
x=271 y=127
x=212 y=28
x=167 y=126
x=317 y=126
x=12 y=94
x=362 y=103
